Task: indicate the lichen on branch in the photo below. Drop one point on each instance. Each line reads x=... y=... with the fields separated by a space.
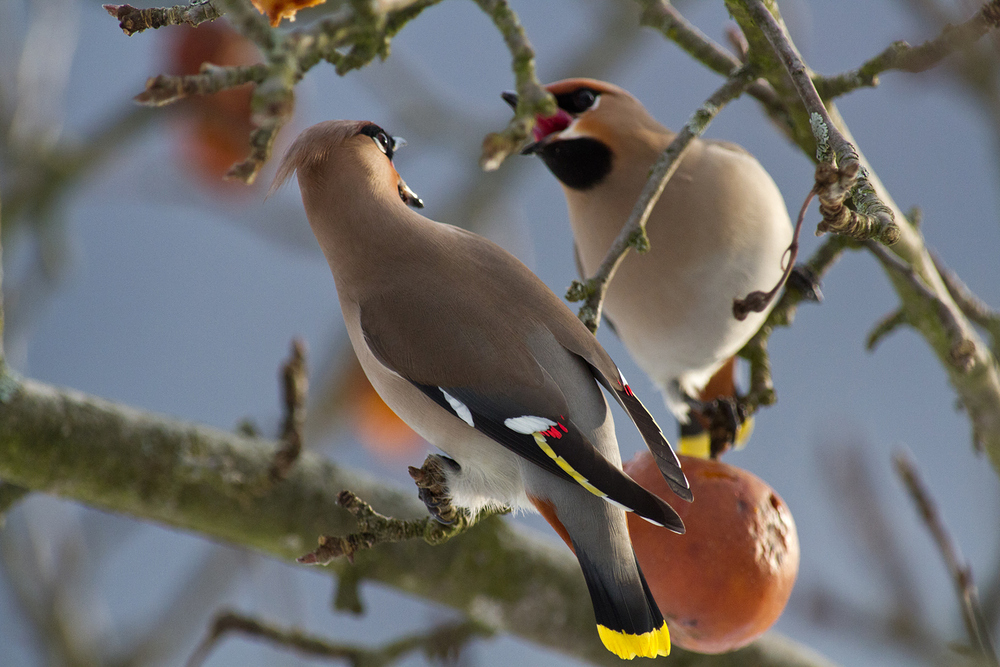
x=132 y=20
x=872 y=218
x=193 y=477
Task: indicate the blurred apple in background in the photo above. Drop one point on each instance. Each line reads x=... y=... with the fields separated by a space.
x=215 y=132
x=727 y=580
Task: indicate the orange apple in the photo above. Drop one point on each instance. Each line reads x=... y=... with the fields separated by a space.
x=727 y=580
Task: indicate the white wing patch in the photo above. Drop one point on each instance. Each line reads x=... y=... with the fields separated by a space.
x=528 y=424
x=460 y=408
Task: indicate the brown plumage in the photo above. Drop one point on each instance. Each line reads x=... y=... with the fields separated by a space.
x=717 y=233
x=479 y=357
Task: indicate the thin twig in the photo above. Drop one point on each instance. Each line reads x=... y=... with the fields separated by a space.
x=295 y=389
x=377 y=529
x=663 y=17
x=903 y=57
x=132 y=20
x=971 y=305
x=873 y=219
x=761 y=390
x=961 y=573
x=884 y=327
x=168 y=88
x=633 y=233
x=532 y=99
x=962 y=350
x=758 y=301
x=443 y=642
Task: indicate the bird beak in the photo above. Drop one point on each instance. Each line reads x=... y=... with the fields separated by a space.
x=409 y=197
x=544 y=127
x=397 y=143
x=531 y=148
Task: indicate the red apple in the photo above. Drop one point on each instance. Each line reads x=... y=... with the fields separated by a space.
x=726 y=581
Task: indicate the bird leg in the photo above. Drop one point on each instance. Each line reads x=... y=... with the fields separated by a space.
x=430 y=479
x=721 y=417
x=804 y=279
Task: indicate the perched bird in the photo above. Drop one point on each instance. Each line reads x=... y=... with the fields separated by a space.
x=480 y=358
x=718 y=232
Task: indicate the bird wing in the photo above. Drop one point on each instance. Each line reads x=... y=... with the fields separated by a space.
x=510 y=398
x=608 y=374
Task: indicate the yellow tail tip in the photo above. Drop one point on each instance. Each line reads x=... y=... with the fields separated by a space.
x=627 y=646
x=744 y=433
x=698 y=445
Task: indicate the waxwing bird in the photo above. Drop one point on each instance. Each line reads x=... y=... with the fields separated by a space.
x=718 y=232
x=480 y=358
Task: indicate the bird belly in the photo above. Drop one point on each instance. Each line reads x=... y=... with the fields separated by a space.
x=672 y=306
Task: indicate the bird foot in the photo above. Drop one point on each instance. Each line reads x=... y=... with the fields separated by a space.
x=722 y=417
x=433 y=487
x=803 y=279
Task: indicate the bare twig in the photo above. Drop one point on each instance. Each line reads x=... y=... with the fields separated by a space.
x=961 y=573
x=295 y=388
x=884 y=327
x=962 y=350
x=633 y=233
x=761 y=391
x=122 y=459
x=167 y=88
x=758 y=301
x=443 y=642
x=903 y=57
x=873 y=219
x=378 y=529
x=971 y=305
x=854 y=491
x=532 y=99
x=132 y=20
x=662 y=16
x=364 y=29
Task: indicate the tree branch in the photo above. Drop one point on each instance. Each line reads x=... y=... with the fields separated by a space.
x=197 y=478
x=905 y=58
x=532 y=99
x=978 y=388
x=445 y=641
x=761 y=390
x=633 y=233
x=961 y=573
x=295 y=391
x=132 y=20
x=873 y=218
x=663 y=17
x=971 y=305
x=168 y=88
x=961 y=349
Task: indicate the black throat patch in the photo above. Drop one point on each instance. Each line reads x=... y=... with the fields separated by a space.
x=579 y=163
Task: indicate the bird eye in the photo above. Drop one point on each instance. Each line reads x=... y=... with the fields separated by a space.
x=583 y=99
x=385 y=144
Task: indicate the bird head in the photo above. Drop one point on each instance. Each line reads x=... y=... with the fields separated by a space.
x=592 y=123
x=340 y=154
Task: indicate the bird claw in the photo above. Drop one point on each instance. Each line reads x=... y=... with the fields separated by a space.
x=722 y=417
x=803 y=279
x=433 y=487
